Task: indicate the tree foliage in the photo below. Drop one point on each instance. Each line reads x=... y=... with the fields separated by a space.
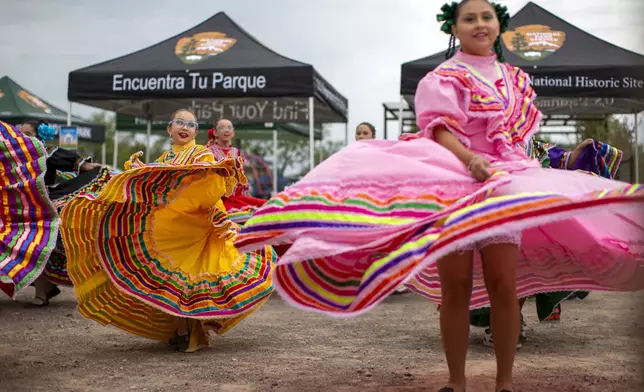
x=618 y=134
x=292 y=154
x=128 y=142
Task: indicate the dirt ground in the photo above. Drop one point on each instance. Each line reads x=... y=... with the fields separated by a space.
x=395 y=347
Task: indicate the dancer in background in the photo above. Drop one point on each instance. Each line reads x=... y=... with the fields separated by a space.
x=365 y=131
x=28 y=220
x=153 y=252
x=457 y=211
x=590 y=156
x=239 y=204
x=61 y=188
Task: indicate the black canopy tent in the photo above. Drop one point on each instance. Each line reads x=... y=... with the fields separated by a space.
x=575 y=74
x=18 y=104
x=219 y=70
x=563 y=61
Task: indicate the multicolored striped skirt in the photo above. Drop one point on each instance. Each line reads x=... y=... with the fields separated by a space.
x=56 y=267
x=381 y=213
x=28 y=220
x=155 y=245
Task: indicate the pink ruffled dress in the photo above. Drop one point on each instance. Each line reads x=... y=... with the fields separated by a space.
x=381 y=213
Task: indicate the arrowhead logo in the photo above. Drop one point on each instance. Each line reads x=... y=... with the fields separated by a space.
x=34 y=101
x=201 y=46
x=534 y=42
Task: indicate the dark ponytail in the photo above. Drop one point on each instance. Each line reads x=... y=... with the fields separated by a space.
x=498 y=49
x=451 y=49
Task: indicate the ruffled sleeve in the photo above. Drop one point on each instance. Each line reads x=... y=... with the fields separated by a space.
x=134 y=162
x=558 y=157
x=204 y=155
x=439 y=103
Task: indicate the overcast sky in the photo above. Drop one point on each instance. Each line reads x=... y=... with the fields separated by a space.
x=357 y=45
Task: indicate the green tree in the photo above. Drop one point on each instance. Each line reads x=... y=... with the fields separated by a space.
x=618 y=134
x=293 y=154
x=190 y=47
x=519 y=42
x=612 y=131
x=128 y=143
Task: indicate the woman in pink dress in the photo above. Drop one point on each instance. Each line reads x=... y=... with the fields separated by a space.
x=458 y=211
x=240 y=205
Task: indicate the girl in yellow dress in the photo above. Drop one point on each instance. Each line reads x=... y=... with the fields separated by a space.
x=153 y=252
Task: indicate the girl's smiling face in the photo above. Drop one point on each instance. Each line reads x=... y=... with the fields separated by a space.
x=183 y=127
x=477 y=27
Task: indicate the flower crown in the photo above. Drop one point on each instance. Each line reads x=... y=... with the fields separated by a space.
x=448 y=16
x=46 y=132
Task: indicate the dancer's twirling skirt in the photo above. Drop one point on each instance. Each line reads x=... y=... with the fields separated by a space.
x=379 y=214
x=28 y=220
x=154 y=246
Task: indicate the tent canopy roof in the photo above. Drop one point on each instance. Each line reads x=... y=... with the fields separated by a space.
x=18 y=104
x=563 y=61
x=216 y=60
x=219 y=33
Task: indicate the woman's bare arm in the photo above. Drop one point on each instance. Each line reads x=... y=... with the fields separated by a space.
x=450 y=142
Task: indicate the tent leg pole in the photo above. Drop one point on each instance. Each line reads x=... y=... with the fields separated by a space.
x=636 y=152
x=385 y=125
x=275 y=179
x=400 y=115
x=148 y=143
x=320 y=152
x=346 y=134
x=69 y=114
x=115 y=156
x=311 y=133
x=104 y=153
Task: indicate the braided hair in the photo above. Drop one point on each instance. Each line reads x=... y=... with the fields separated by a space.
x=449 y=16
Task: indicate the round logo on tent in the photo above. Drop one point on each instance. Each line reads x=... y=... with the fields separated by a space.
x=533 y=42
x=34 y=101
x=201 y=46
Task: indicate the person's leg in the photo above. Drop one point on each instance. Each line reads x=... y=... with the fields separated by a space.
x=522 y=335
x=45 y=290
x=455 y=273
x=499 y=271
x=181 y=336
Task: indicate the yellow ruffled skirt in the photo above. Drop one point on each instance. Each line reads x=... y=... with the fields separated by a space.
x=155 y=249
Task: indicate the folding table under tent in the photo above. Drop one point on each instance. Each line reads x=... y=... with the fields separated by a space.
x=575 y=74
x=219 y=70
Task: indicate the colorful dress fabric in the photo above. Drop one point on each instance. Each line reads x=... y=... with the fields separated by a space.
x=56 y=268
x=66 y=182
x=28 y=220
x=155 y=245
x=596 y=158
x=381 y=213
x=239 y=205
